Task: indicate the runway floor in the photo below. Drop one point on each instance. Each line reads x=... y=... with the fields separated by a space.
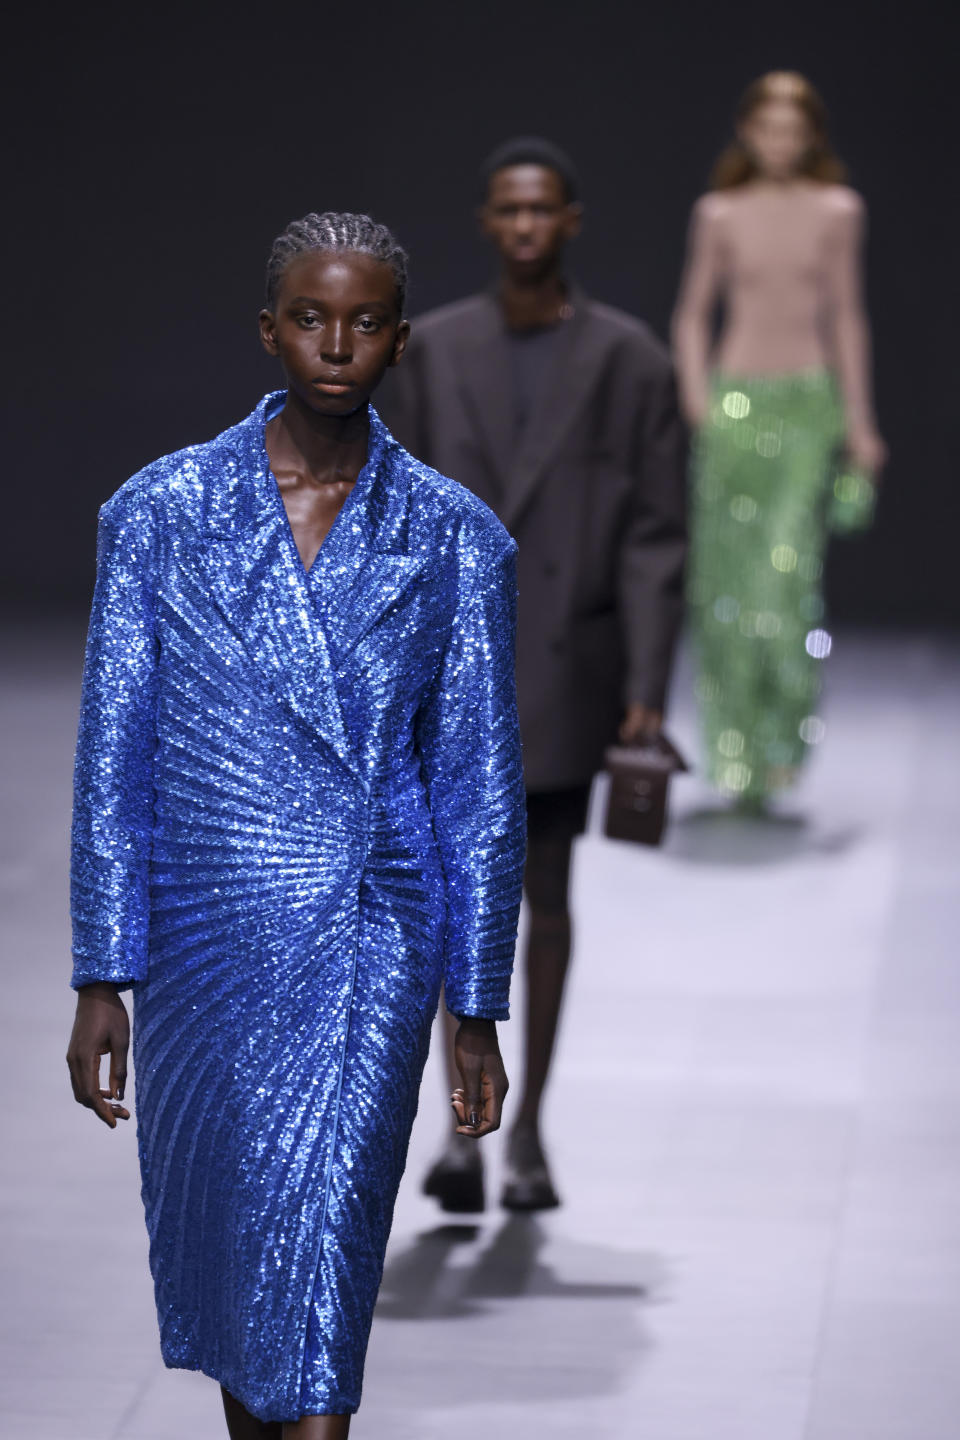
x=754 y=1125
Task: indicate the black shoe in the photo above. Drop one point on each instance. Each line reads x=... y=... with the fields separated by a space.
x=529 y=1188
x=528 y=1184
x=456 y=1179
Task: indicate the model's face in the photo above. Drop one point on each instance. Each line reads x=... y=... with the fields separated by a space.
x=778 y=136
x=335 y=328
x=528 y=217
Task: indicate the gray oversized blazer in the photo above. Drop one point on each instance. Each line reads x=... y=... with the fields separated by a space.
x=594 y=496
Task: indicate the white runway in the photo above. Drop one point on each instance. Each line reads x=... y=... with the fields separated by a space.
x=755 y=1125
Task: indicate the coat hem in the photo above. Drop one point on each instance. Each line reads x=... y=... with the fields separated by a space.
x=333 y=1404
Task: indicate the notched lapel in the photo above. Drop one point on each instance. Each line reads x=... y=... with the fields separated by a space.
x=371 y=592
x=365 y=566
x=253 y=582
x=483 y=362
x=299 y=628
x=255 y=579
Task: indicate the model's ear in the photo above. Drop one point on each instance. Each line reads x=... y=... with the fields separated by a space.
x=573 y=222
x=268 y=332
x=400 y=343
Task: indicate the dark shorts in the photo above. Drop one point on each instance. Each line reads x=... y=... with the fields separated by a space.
x=557 y=815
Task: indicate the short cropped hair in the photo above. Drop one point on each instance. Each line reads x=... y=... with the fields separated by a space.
x=532 y=150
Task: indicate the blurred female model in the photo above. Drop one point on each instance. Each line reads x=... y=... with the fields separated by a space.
x=786 y=446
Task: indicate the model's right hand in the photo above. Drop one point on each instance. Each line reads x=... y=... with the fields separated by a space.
x=868 y=450
x=478 y=1103
x=101 y=1027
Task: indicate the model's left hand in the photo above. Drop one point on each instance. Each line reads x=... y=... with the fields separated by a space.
x=478 y=1103
x=640 y=723
x=868 y=450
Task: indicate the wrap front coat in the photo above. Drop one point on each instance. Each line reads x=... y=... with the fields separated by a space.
x=299 y=808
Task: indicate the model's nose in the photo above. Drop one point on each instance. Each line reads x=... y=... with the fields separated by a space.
x=337 y=346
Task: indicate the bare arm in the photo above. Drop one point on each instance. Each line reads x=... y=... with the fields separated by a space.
x=851 y=331
x=691 y=327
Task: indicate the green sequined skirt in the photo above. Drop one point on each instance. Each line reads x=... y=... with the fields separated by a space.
x=767 y=489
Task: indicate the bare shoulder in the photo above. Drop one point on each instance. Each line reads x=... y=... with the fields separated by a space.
x=712 y=209
x=842 y=203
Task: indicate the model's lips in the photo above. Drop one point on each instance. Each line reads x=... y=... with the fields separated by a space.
x=333 y=384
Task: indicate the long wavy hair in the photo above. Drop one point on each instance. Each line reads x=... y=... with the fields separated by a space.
x=735 y=166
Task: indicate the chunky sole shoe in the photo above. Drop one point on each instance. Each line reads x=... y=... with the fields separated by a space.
x=529 y=1190
x=457 y=1184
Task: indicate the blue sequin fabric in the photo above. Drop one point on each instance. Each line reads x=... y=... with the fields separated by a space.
x=299 y=807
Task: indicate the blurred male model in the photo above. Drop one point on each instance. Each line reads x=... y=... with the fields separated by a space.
x=560 y=413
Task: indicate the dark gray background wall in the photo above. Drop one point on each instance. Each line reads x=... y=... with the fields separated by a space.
x=154 y=154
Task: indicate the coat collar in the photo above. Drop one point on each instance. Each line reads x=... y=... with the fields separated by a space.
x=485 y=367
x=299 y=627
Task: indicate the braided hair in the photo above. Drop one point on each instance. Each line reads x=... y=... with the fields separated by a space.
x=333 y=231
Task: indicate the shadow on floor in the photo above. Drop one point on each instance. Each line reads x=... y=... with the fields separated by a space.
x=549 y=1317
x=421 y=1283
x=714 y=836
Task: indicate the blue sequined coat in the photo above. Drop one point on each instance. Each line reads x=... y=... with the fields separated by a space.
x=299 y=807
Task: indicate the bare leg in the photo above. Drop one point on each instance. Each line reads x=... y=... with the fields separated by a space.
x=318 y=1427
x=241 y=1425
x=547 y=962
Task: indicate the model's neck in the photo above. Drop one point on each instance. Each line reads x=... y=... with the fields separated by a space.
x=324 y=444
x=531 y=302
x=791 y=181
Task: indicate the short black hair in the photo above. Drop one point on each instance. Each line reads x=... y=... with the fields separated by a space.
x=532 y=150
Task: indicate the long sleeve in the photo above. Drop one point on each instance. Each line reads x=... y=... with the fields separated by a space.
x=469 y=744
x=113 y=779
x=654 y=546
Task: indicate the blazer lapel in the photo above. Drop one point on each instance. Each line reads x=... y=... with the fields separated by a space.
x=483 y=362
x=572 y=375
x=365 y=565
x=258 y=583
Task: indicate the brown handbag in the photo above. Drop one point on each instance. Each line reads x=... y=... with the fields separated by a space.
x=639 y=775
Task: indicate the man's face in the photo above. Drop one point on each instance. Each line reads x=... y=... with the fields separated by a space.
x=529 y=219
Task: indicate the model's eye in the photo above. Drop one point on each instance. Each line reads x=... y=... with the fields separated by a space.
x=308 y=322
x=367 y=325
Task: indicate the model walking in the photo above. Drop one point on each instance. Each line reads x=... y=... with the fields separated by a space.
x=785 y=436
x=299 y=808
x=561 y=414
